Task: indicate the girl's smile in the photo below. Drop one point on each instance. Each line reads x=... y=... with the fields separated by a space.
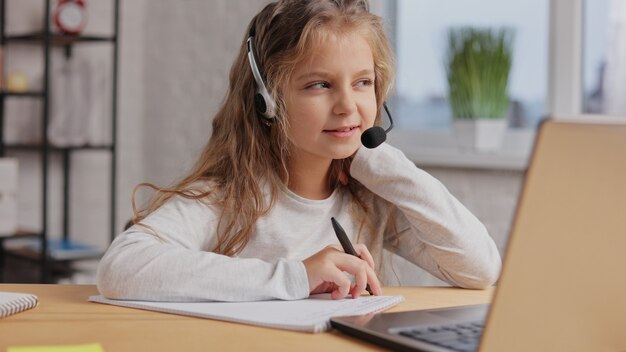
x=344 y=132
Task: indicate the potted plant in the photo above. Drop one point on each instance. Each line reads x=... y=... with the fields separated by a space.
x=478 y=66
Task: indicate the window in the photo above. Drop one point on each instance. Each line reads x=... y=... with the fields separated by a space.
x=604 y=57
x=569 y=57
x=421 y=29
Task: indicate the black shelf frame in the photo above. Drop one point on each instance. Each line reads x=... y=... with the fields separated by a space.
x=53 y=148
x=22 y=94
x=58 y=38
x=48 y=39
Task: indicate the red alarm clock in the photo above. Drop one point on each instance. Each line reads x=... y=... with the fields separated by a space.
x=70 y=16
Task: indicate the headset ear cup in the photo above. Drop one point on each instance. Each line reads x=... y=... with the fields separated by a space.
x=261 y=105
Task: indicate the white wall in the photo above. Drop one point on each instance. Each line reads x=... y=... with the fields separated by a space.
x=188 y=53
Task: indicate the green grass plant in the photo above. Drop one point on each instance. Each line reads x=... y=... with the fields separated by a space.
x=478 y=66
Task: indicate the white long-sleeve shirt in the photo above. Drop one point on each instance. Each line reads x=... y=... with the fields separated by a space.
x=433 y=230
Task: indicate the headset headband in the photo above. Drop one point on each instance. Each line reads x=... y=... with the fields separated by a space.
x=263 y=101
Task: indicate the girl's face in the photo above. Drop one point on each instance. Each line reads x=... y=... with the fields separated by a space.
x=330 y=98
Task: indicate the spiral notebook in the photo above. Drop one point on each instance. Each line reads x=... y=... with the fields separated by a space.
x=13 y=302
x=307 y=315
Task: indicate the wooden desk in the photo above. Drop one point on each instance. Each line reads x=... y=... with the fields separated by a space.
x=65 y=317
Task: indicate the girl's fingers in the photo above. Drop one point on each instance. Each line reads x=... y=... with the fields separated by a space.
x=361 y=279
x=362 y=272
x=364 y=254
x=335 y=246
x=372 y=279
x=342 y=284
x=361 y=250
x=326 y=272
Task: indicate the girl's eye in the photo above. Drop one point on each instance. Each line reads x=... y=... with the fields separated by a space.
x=365 y=82
x=319 y=85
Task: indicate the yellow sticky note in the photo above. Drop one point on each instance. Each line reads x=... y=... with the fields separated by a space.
x=91 y=347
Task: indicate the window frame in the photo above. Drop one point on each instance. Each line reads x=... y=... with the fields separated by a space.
x=564 y=94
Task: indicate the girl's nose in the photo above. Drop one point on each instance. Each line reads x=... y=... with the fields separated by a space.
x=345 y=103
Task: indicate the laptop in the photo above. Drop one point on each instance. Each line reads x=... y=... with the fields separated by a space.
x=563 y=283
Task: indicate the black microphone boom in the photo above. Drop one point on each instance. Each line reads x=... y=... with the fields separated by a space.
x=375 y=136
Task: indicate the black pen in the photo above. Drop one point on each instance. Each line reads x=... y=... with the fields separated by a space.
x=345 y=243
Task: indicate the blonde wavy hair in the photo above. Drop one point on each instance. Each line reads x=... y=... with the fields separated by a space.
x=244 y=156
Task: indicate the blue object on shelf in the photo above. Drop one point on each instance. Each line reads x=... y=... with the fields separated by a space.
x=61 y=249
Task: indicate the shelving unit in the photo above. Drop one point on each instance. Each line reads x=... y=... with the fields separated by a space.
x=49 y=40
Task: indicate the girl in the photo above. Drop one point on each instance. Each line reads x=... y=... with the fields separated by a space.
x=251 y=221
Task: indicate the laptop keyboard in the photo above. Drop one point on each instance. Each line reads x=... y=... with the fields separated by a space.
x=462 y=337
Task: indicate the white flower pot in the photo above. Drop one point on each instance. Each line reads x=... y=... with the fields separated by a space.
x=480 y=134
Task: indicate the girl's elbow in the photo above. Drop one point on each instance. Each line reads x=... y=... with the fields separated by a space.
x=110 y=281
x=105 y=282
x=487 y=276
x=482 y=276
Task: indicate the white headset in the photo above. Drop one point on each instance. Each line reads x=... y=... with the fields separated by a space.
x=263 y=101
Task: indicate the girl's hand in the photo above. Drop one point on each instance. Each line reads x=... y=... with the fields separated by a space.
x=325 y=271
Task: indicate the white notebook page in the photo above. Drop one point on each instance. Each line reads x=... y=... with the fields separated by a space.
x=311 y=315
x=14 y=302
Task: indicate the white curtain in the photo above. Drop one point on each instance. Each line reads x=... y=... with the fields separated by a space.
x=77 y=93
x=615 y=74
